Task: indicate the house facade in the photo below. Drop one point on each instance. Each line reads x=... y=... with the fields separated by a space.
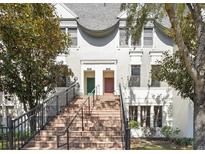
x=101 y=55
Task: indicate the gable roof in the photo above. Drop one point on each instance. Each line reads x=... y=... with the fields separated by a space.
x=96 y=16
x=64 y=12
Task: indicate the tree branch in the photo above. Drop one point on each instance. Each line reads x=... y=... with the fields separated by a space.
x=200 y=56
x=175 y=22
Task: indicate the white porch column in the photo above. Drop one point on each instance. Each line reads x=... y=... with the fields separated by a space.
x=82 y=91
x=99 y=81
x=139 y=115
x=151 y=116
x=115 y=82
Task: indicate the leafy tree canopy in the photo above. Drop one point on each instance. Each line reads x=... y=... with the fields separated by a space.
x=30 y=41
x=173 y=68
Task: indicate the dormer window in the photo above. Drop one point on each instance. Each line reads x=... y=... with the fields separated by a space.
x=73 y=35
x=138 y=43
x=123 y=38
x=148 y=37
x=125 y=41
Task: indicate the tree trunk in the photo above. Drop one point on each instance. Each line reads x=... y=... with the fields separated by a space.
x=199 y=122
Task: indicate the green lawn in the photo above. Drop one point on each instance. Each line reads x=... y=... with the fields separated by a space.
x=149 y=144
x=3 y=146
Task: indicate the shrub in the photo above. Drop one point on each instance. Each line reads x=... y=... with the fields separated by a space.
x=133 y=124
x=22 y=135
x=168 y=131
x=183 y=141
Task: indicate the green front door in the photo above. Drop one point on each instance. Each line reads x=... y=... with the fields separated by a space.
x=90 y=84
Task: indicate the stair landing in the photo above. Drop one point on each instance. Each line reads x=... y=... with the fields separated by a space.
x=102 y=128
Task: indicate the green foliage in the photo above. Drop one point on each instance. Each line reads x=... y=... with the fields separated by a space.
x=30 y=41
x=169 y=131
x=22 y=135
x=174 y=70
x=133 y=124
x=61 y=74
x=138 y=16
x=183 y=141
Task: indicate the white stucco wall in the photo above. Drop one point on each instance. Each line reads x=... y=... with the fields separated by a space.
x=102 y=52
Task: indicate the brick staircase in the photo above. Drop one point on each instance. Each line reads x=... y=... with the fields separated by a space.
x=102 y=128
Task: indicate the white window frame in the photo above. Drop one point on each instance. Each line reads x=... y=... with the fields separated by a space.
x=67 y=31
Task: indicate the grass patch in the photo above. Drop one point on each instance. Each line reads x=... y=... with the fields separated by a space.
x=156 y=144
x=2 y=145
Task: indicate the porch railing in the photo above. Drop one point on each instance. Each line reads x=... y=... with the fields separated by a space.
x=82 y=112
x=21 y=130
x=124 y=122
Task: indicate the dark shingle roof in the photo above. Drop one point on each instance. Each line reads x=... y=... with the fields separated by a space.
x=96 y=16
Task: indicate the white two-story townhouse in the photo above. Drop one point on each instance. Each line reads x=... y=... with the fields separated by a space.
x=101 y=55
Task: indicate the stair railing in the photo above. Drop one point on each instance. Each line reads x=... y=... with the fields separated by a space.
x=81 y=112
x=124 y=123
x=22 y=129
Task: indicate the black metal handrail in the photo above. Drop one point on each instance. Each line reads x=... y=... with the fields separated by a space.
x=124 y=123
x=4 y=144
x=23 y=128
x=80 y=112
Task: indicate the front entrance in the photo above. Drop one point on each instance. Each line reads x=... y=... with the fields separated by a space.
x=108 y=82
x=89 y=81
x=109 y=85
x=90 y=84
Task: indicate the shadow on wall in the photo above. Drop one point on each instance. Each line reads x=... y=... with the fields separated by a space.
x=157 y=99
x=98 y=41
x=165 y=39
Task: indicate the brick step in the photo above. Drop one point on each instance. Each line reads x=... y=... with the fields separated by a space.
x=104 y=145
x=86 y=118
x=107 y=103
x=72 y=144
x=79 y=128
x=83 y=133
x=96 y=111
x=42 y=144
x=109 y=117
x=86 y=123
x=105 y=108
x=92 y=114
x=80 y=138
x=120 y=148
x=86 y=126
x=89 y=121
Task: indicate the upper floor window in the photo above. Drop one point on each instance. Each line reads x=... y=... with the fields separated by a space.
x=135 y=76
x=123 y=37
x=138 y=43
x=148 y=37
x=73 y=35
x=154 y=81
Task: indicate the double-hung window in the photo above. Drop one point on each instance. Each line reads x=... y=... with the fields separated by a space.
x=72 y=35
x=123 y=37
x=148 y=37
x=135 y=76
x=154 y=81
